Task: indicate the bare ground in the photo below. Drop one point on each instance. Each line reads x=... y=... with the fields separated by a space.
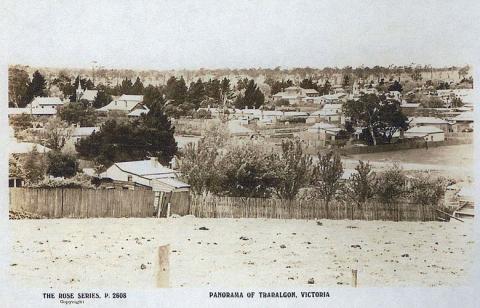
x=110 y=252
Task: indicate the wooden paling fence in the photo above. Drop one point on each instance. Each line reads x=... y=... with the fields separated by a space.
x=229 y=207
x=82 y=203
x=85 y=203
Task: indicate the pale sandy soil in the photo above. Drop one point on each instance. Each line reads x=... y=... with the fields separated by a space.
x=109 y=252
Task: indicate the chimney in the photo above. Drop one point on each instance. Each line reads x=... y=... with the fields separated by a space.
x=154 y=160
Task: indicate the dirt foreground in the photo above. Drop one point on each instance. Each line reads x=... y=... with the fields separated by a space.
x=239 y=252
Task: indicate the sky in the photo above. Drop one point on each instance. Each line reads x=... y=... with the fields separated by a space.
x=239 y=34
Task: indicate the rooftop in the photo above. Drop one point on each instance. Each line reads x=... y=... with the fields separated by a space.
x=147 y=168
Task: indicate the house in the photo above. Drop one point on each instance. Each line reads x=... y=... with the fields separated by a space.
x=37 y=112
x=333 y=98
x=324 y=131
x=409 y=109
x=131 y=98
x=88 y=95
x=430 y=121
x=463 y=121
x=295 y=95
x=149 y=174
x=138 y=112
x=83 y=132
x=428 y=133
x=46 y=103
x=126 y=106
x=329 y=113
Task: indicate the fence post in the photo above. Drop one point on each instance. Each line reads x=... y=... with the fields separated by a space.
x=354 y=278
x=163 y=274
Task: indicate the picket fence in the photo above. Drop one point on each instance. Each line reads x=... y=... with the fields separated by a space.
x=82 y=203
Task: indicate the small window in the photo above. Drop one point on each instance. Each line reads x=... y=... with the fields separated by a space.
x=129 y=178
x=11 y=183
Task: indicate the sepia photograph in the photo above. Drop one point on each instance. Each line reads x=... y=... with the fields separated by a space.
x=257 y=153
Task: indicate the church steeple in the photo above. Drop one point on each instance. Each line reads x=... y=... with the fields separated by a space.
x=79 y=91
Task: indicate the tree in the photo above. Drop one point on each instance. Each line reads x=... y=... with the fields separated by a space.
x=176 y=90
x=149 y=136
x=427 y=191
x=126 y=87
x=18 y=83
x=78 y=113
x=64 y=83
x=361 y=185
x=395 y=86
x=247 y=171
x=431 y=102
x=326 y=88
x=380 y=117
x=308 y=84
x=279 y=86
x=416 y=75
x=295 y=169
x=196 y=93
x=61 y=165
x=158 y=133
x=347 y=82
x=21 y=121
x=327 y=175
x=137 y=87
x=390 y=120
x=37 y=87
x=33 y=167
x=196 y=167
x=56 y=133
x=390 y=184
x=456 y=102
x=102 y=99
x=252 y=97
x=152 y=94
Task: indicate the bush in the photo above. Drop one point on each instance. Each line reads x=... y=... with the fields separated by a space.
x=78 y=181
x=427 y=191
x=61 y=165
x=390 y=184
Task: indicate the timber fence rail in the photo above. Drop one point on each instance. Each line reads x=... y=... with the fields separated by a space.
x=90 y=203
x=230 y=207
x=82 y=203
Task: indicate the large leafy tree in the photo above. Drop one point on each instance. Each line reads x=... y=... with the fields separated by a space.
x=151 y=135
x=379 y=117
x=37 y=87
x=18 y=83
x=247 y=171
x=78 y=113
x=199 y=163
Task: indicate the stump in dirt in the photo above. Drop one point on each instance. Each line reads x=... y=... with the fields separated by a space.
x=354 y=278
x=163 y=274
